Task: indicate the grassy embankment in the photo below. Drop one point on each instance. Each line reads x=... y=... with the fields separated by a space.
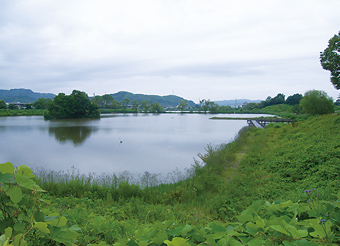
x=295 y=168
x=21 y=112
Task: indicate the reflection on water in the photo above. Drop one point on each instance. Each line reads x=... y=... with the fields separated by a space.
x=75 y=134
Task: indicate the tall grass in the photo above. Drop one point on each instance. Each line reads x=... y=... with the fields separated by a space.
x=74 y=183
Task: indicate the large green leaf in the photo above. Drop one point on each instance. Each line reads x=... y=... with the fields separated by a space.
x=19 y=227
x=7 y=178
x=160 y=238
x=322 y=230
x=8 y=232
x=229 y=240
x=42 y=226
x=295 y=232
x=279 y=228
x=186 y=229
x=64 y=235
x=6 y=168
x=256 y=242
x=177 y=241
x=218 y=235
x=39 y=216
x=19 y=240
x=255 y=228
x=245 y=218
x=25 y=171
x=15 y=193
x=56 y=220
x=61 y=222
x=305 y=242
x=26 y=182
x=75 y=228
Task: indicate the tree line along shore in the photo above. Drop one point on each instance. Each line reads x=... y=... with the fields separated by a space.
x=79 y=105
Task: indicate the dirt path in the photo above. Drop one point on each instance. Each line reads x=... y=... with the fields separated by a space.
x=231 y=170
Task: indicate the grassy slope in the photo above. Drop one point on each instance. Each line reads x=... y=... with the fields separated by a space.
x=301 y=156
x=277 y=163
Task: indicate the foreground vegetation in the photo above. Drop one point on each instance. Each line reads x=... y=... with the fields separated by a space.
x=277 y=186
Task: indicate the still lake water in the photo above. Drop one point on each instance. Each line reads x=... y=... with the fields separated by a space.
x=134 y=143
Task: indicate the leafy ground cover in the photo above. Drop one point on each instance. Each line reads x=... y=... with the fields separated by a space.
x=276 y=186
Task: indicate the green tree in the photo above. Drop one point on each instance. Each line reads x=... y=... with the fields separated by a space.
x=252 y=106
x=278 y=99
x=107 y=100
x=125 y=103
x=98 y=100
x=316 y=102
x=156 y=108
x=213 y=108
x=183 y=105
x=330 y=59
x=204 y=105
x=145 y=106
x=13 y=106
x=28 y=106
x=294 y=99
x=225 y=108
x=3 y=105
x=207 y=105
x=115 y=104
x=104 y=101
x=337 y=102
x=42 y=103
x=135 y=106
x=75 y=106
x=266 y=103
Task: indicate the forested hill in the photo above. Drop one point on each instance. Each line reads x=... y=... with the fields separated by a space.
x=28 y=96
x=165 y=101
x=23 y=95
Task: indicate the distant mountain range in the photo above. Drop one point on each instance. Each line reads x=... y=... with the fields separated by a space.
x=28 y=96
x=235 y=102
x=165 y=101
x=22 y=95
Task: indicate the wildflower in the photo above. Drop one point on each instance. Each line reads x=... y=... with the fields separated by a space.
x=322 y=221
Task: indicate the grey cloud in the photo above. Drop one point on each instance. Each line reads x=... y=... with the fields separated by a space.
x=164 y=46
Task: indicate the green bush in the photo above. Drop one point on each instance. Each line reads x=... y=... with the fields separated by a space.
x=317 y=102
x=22 y=222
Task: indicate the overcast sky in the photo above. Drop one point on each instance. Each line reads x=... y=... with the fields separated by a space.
x=196 y=49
